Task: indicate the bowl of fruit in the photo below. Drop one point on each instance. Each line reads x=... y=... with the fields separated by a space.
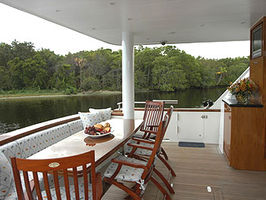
x=98 y=130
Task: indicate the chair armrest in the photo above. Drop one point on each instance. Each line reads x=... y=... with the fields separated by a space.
x=99 y=186
x=129 y=164
x=143 y=140
x=139 y=146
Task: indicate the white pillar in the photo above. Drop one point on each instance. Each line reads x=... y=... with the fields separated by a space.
x=128 y=75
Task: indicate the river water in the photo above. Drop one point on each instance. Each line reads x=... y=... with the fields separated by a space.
x=19 y=113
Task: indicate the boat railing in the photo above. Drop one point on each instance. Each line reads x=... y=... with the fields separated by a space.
x=172 y=102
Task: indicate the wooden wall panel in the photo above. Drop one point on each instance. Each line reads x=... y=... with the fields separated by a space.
x=247 y=138
x=258 y=73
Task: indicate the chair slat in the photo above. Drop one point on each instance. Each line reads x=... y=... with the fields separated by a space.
x=37 y=185
x=27 y=185
x=75 y=175
x=66 y=182
x=93 y=179
x=86 y=185
x=57 y=186
x=46 y=186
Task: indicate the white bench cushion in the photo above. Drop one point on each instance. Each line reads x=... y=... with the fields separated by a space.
x=34 y=143
x=5 y=176
x=75 y=126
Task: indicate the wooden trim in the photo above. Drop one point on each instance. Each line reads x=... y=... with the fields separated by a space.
x=6 y=139
x=186 y=110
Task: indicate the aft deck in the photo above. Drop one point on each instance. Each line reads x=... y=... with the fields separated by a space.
x=197 y=168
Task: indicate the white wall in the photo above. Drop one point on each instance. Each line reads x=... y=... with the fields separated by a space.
x=192 y=127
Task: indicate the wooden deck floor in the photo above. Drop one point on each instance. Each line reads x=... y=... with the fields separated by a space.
x=197 y=168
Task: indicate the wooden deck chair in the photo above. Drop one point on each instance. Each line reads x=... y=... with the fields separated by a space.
x=68 y=168
x=153 y=115
x=124 y=169
x=142 y=148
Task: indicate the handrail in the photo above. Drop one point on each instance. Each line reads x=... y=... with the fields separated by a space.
x=119 y=104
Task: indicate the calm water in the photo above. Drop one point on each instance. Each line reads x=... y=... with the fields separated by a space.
x=19 y=113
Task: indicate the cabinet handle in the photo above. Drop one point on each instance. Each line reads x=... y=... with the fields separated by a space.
x=255 y=62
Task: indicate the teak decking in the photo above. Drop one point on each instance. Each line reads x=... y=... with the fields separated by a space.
x=197 y=168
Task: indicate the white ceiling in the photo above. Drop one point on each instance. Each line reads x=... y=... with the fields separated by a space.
x=151 y=21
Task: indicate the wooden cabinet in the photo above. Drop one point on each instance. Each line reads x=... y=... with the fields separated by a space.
x=244 y=137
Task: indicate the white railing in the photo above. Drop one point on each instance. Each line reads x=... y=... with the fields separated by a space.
x=173 y=102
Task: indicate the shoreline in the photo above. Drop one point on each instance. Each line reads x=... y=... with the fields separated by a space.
x=39 y=95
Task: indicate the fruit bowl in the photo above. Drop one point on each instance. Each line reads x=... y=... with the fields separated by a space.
x=98 y=130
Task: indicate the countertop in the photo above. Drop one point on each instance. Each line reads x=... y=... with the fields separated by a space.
x=234 y=103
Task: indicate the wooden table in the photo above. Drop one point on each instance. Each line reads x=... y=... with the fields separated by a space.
x=123 y=129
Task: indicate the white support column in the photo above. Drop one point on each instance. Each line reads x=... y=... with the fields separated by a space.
x=128 y=75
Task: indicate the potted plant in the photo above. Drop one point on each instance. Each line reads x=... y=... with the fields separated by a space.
x=245 y=91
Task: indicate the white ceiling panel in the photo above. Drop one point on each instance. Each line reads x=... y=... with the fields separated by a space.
x=151 y=21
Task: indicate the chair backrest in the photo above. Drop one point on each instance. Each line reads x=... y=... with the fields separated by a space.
x=159 y=136
x=152 y=117
x=169 y=114
x=68 y=167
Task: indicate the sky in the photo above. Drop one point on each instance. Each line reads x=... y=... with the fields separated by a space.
x=21 y=26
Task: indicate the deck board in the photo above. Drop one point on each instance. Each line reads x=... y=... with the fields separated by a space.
x=197 y=168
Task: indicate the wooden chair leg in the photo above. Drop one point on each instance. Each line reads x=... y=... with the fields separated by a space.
x=123 y=187
x=171 y=190
x=165 y=193
x=164 y=153
x=167 y=165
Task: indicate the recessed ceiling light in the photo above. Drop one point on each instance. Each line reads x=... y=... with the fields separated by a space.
x=202 y=25
x=112 y=3
x=57 y=10
x=93 y=28
x=129 y=19
x=173 y=32
x=243 y=22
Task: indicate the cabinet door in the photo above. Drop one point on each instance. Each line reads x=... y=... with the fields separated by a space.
x=191 y=127
x=227 y=130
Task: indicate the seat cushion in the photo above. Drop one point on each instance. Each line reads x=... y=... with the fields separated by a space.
x=139 y=151
x=89 y=119
x=5 y=176
x=72 y=192
x=126 y=173
x=139 y=134
x=104 y=113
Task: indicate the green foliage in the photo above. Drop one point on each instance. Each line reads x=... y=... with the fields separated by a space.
x=22 y=68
